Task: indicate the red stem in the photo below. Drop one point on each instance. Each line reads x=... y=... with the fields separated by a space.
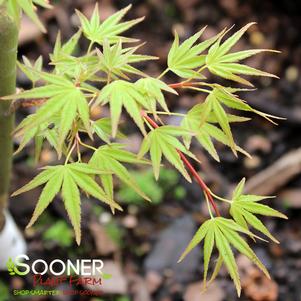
x=200 y=181
x=182 y=84
x=152 y=122
x=197 y=177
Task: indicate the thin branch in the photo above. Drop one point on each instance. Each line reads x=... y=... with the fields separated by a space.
x=183 y=84
x=199 y=181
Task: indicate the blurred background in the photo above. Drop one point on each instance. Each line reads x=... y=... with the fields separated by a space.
x=141 y=245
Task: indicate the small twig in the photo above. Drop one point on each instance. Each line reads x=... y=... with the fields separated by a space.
x=183 y=84
x=200 y=181
x=25 y=103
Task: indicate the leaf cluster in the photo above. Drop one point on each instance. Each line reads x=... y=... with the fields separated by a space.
x=108 y=75
x=225 y=234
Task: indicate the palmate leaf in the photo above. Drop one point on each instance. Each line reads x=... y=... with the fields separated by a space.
x=65 y=100
x=111 y=158
x=39 y=134
x=244 y=208
x=224 y=234
x=226 y=96
x=152 y=90
x=121 y=93
x=163 y=141
x=221 y=63
x=116 y=61
x=202 y=118
x=67 y=64
x=110 y=29
x=79 y=68
x=184 y=58
x=197 y=118
x=60 y=51
x=28 y=135
x=206 y=131
x=68 y=179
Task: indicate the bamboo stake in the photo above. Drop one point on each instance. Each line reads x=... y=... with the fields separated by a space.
x=8 y=58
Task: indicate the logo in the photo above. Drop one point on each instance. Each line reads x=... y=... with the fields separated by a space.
x=80 y=272
x=57 y=267
x=13 y=269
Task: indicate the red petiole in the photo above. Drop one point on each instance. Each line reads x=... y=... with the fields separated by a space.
x=197 y=177
x=182 y=85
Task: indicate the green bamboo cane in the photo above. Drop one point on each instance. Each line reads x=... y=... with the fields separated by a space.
x=8 y=59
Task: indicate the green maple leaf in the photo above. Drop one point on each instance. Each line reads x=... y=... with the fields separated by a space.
x=212 y=106
x=203 y=118
x=64 y=100
x=68 y=179
x=60 y=51
x=121 y=93
x=110 y=158
x=79 y=68
x=163 y=141
x=152 y=90
x=224 y=234
x=206 y=132
x=244 y=208
x=225 y=65
x=41 y=133
x=110 y=29
x=184 y=58
x=116 y=61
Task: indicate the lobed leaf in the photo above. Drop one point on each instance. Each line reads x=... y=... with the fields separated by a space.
x=163 y=141
x=121 y=93
x=108 y=158
x=223 y=233
x=184 y=58
x=62 y=51
x=116 y=61
x=243 y=208
x=68 y=178
x=225 y=65
x=50 y=190
x=110 y=29
x=152 y=90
